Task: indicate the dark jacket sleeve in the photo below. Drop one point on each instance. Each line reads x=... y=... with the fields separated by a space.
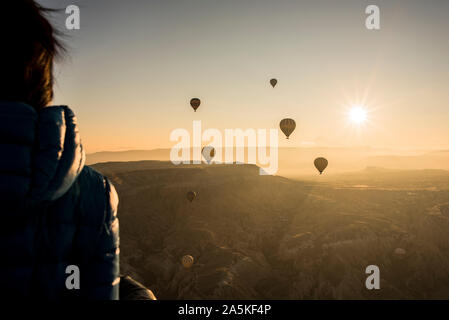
x=105 y=260
x=100 y=267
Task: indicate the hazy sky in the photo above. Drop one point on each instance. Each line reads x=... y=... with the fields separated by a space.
x=134 y=65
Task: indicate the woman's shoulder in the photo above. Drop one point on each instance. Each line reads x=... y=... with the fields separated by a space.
x=98 y=199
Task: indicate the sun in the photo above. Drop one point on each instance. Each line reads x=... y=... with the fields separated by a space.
x=357 y=115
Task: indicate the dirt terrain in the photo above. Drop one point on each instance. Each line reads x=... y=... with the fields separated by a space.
x=268 y=237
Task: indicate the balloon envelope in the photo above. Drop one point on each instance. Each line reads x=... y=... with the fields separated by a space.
x=187 y=261
x=208 y=153
x=320 y=164
x=287 y=126
x=195 y=103
x=273 y=82
x=191 y=195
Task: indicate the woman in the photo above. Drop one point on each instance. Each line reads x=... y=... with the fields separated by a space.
x=59 y=237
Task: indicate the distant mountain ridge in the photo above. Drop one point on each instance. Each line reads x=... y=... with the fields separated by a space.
x=296 y=162
x=128 y=155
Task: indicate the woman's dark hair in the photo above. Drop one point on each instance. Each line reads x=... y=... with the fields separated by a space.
x=29 y=46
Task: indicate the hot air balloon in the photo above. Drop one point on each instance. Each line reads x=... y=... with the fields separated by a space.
x=320 y=164
x=187 y=261
x=191 y=195
x=273 y=82
x=400 y=252
x=287 y=126
x=208 y=153
x=195 y=103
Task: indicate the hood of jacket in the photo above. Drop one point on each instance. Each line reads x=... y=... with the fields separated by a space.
x=40 y=153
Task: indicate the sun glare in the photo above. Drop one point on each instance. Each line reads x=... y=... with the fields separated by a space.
x=357 y=115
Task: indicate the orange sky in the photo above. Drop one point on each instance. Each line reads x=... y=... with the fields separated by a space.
x=134 y=66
